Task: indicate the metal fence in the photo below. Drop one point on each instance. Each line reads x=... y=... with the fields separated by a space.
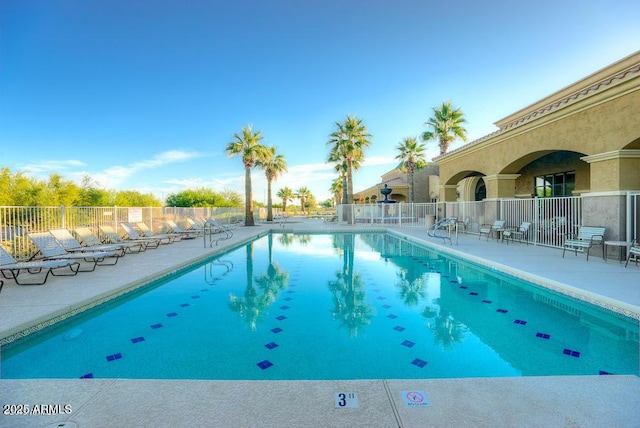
x=17 y=222
x=551 y=218
x=406 y=215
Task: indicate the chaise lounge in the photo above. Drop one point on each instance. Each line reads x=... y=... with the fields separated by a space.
x=51 y=249
x=88 y=239
x=11 y=268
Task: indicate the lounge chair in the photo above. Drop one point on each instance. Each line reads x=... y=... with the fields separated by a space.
x=90 y=240
x=51 y=249
x=112 y=237
x=521 y=233
x=634 y=251
x=147 y=232
x=132 y=233
x=72 y=245
x=491 y=229
x=193 y=224
x=587 y=237
x=184 y=233
x=11 y=268
x=165 y=238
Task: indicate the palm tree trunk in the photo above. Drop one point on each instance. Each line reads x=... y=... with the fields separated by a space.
x=411 y=195
x=349 y=182
x=269 y=209
x=248 y=203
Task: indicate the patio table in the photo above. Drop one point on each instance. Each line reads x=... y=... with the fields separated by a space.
x=621 y=244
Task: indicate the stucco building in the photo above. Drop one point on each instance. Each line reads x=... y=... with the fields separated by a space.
x=583 y=140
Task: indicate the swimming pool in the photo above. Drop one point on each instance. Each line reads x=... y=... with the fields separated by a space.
x=343 y=306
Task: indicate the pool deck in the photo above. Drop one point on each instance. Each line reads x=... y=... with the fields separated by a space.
x=585 y=401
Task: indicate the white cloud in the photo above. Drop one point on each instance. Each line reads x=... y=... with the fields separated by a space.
x=50 y=166
x=113 y=176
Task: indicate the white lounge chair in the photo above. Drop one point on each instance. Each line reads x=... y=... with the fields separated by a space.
x=88 y=239
x=72 y=245
x=11 y=268
x=173 y=227
x=112 y=236
x=51 y=249
x=132 y=233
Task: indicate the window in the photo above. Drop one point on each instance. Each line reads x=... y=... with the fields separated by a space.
x=558 y=184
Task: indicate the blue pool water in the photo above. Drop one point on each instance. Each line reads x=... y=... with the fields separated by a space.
x=344 y=306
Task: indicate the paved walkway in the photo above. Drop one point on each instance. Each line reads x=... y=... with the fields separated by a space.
x=527 y=401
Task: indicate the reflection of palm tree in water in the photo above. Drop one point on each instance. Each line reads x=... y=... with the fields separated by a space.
x=275 y=280
x=252 y=304
x=349 y=294
x=411 y=284
x=287 y=239
x=446 y=330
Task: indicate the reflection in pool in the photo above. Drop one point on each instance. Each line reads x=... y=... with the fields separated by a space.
x=343 y=306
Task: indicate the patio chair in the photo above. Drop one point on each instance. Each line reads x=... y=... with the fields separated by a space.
x=490 y=229
x=51 y=249
x=11 y=268
x=521 y=233
x=131 y=233
x=90 y=240
x=634 y=251
x=113 y=237
x=173 y=227
x=166 y=238
x=72 y=245
x=586 y=238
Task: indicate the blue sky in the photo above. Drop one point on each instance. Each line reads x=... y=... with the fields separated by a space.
x=145 y=95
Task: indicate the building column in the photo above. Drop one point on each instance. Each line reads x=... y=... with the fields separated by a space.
x=448 y=192
x=501 y=185
x=612 y=175
x=614 y=171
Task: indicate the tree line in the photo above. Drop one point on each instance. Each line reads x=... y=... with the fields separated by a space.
x=17 y=189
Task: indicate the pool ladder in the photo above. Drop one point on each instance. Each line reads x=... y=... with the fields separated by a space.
x=449 y=223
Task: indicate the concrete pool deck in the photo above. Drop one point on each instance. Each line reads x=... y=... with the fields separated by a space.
x=526 y=401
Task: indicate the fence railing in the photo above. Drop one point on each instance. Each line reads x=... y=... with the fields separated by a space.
x=17 y=222
x=551 y=218
x=406 y=215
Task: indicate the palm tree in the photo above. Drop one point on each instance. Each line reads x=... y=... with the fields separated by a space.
x=348 y=143
x=341 y=168
x=336 y=189
x=411 y=159
x=303 y=193
x=273 y=165
x=286 y=194
x=445 y=125
x=248 y=146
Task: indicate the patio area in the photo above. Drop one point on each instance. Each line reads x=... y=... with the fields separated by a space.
x=526 y=401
